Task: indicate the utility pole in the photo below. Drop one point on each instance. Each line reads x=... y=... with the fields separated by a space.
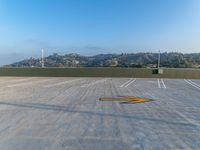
x=42 y=58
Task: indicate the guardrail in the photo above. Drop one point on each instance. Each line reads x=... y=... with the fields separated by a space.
x=101 y=72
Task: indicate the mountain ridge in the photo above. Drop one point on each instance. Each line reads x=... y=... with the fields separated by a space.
x=134 y=60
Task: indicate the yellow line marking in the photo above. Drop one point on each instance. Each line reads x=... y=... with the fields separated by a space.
x=127 y=99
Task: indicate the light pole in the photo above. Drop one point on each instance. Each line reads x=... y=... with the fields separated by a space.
x=160 y=71
x=42 y=58
x=159 y=59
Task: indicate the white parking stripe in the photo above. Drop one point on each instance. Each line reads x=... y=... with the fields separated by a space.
x=163 y=83
x=192 y=84
x=16 y=80
x=61 y=83
x=187 y=118
x=130 y=83
x=159 y=84
x=93 y=83
x=126 y=83
x=28 y=83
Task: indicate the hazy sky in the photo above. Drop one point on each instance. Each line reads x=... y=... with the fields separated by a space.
x=91 y=27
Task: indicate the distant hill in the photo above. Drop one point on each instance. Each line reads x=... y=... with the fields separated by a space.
x=136 y=60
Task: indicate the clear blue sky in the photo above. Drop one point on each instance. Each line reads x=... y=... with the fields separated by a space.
x=91 y=27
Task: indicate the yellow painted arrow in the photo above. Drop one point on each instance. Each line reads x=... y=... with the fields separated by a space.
x=129 y=99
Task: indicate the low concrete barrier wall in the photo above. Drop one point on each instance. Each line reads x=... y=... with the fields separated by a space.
x=101 y=72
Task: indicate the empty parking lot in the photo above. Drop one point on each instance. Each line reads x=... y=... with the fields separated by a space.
x=65 y=113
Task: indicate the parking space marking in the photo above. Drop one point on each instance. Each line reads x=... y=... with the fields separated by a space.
x=61 y=83
x=16 y=80
x=126 y=83
x=192 y=84
x=28 y=83
x=161 y=84
x=158 y=83
x=188 y=119
x=93 y=83
x=129 y=82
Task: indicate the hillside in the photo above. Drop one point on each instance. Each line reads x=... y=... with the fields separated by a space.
x=137 y=60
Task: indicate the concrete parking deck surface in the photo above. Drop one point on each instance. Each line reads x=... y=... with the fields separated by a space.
x=65 y=113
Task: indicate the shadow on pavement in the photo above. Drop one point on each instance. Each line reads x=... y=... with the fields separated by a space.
x=75 y=110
